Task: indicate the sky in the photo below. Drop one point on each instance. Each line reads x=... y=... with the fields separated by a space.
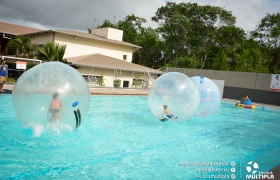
x=83 y=14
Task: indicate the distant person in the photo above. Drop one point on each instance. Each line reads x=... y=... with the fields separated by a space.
x=3 y=74
x=168 y=114
x=56 y=107
x=246 y=100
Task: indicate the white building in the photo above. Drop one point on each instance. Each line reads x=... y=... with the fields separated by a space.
x=101 y=54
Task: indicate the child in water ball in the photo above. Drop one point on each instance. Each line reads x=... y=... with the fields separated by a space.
x=55 y=107
x=168 y=114
x=47 y=92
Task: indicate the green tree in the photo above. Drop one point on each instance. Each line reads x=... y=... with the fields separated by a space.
x=101 y=80
x=21 y=46
x=267 y=33
x=132 y=27
x=133 y=32
x=228 y=41
x=189 y=29
x=107 y=23
x=51 y=52
x=221 y=61
x=250 y=58
x=150 y=54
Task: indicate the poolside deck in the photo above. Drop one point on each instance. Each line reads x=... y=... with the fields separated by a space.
x=119 y=91
x=128 y=91
x=101 y=90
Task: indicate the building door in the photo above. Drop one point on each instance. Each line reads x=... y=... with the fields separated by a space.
x=125 y=84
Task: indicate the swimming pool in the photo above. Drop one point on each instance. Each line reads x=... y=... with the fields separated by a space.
x=121 y=139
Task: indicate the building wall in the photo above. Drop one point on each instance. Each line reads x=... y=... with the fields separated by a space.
x=83 y=46
x=109 y=33
x=238 y=84
x=42 y=38
x=115 y=34
x=221 y=85
x=110 y=75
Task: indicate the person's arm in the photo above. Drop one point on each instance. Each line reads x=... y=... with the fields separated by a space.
x=49 y=108
x=60 y=103
x=61 y=107
x=49 y=114
x=163 y=112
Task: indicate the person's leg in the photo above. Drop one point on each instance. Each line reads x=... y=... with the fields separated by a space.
x=164 y=119
x=1 y=87
x=55 y=116
x=2 y=80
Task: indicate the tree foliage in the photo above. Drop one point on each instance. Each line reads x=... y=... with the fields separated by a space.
x=189 y=30
x=267 y=34
x=132 y=28
x=107 y=23
x=150 y=52
x=268 y=31
x=51 y=52
x=188 y=36
x=147 y=38
x=21 y=46
x=195 y=36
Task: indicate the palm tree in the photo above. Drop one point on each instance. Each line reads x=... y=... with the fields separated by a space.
x=51 y=52
x=21 y=46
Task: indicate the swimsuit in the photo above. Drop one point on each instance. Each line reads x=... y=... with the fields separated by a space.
x=3 y=71
x=53 y=111
x=170 y=116
x=3 y=74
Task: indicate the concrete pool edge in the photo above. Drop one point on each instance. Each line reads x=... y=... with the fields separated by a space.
x=101 y=90
x=255 y=103
x=135 y=91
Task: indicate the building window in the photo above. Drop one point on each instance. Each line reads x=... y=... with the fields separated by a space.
x=124 y=57
x=90 y=78
x=140 y=82
x=137 y=82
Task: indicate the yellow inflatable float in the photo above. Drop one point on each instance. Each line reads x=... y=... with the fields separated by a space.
x=246 y=106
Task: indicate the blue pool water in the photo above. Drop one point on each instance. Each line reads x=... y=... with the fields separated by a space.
x=121 y=139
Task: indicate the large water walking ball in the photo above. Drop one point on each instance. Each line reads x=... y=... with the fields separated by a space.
x=173 y=96
x=51 y=92
x=210 y=98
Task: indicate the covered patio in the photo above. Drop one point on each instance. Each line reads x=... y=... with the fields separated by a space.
x=131 y=75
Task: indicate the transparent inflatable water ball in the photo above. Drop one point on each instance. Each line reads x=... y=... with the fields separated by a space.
x=173 y=96
x=51 y=92
x=210 y=97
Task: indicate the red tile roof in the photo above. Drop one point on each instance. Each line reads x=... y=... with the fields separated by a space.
x=95 y=37
x=102 y=61
x=7 y=28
